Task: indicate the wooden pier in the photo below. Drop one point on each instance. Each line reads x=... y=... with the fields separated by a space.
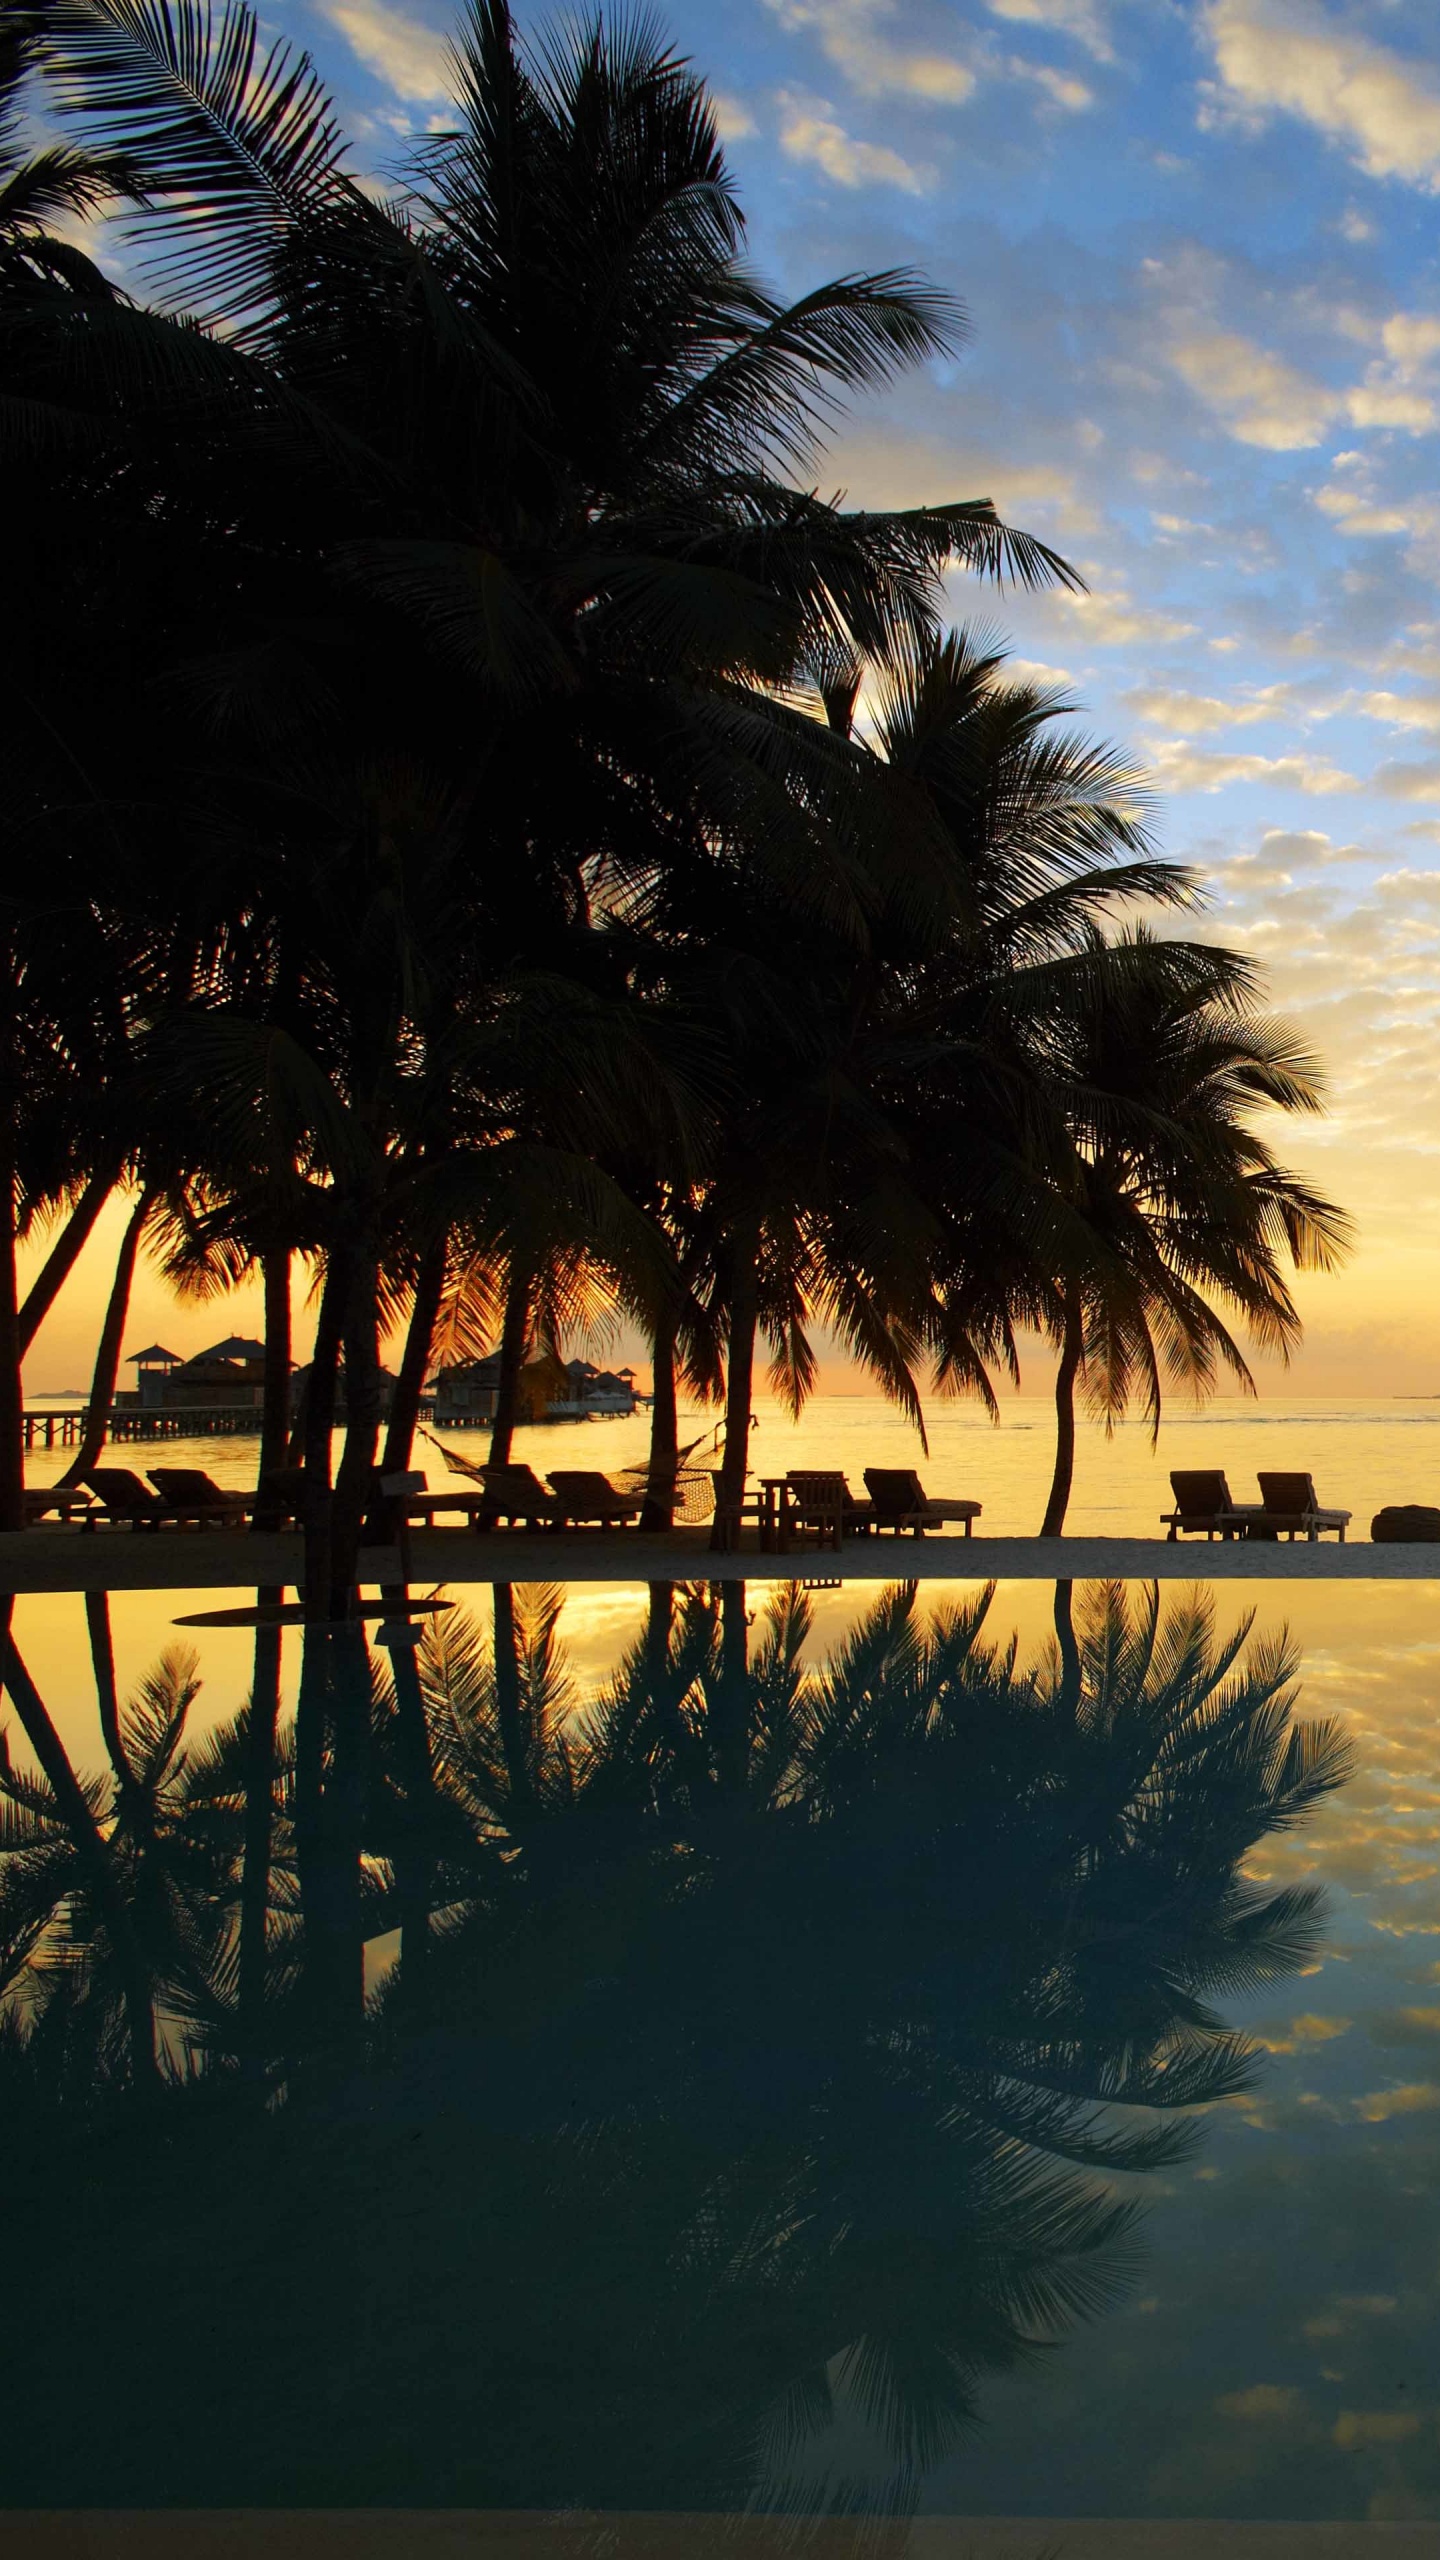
x=63 y=1426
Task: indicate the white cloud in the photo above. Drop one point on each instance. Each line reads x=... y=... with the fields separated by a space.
x=1077 y=18
x=808 y=131
x=1259 y=398
x=410 y=59
x=1110 y=617
x=1356 y=226
x=733 y=119
x=1287 y=55
x=850 y=38
x=1178 y=766
x=1060 y=88
x=1194 y=715
x=1401 y=781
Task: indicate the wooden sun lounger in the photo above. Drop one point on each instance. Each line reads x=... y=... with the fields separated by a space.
x=900 y=1501
x=126 y=1501
x=66 y=1501
x=1204 y=1505
x=514 y=1493
x=191 y=1485
x=820 y=1499
x=588 y=1498
x=1292 y=1509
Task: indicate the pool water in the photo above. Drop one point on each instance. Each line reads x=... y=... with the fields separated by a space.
x=941 y=2049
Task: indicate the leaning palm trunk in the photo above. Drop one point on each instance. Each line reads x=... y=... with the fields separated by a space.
x=318 y=1421
x=275 y=1394
x=1072 y=1354
x=659 y=1506
x=514 y=1335
x=739 y=1382
x=107 y=1358
x=415 y=1360
x=355 y=1479
x=63 y=1255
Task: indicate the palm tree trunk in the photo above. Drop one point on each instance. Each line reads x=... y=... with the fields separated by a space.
x=63 y=1255
x=107 y=1357
x=12 y=1392
x=414 y=1851
x=255 y=1874
x=1072 y=1353
x=319 y=1427
x=739 y=1383
x=514 y=1335
x=355 y=1480
x=275 y=1394
x=93 y=1854
x=415 y=1360
x=659 y=1507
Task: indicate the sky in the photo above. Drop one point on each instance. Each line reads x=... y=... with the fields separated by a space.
x=1196 y=240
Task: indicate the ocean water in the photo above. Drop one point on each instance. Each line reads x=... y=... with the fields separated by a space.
x=660 y=2221
x=1362 y=1453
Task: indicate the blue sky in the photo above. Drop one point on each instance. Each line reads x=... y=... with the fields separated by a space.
x=1197 y=240
x=1198 y=243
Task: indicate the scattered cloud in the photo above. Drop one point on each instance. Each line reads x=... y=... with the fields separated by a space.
x=409 y=58
x=809 y=132
x=1060 y=87
x=852 y=36
x=1413 y=2098
x=1400 y=781
x=1111 y=618
x=732 y=117
x=1357 y=2427
x=1357 y=227
x=1194 y=715
x=1263 y=2401
x=1259 y=398
x=1290 y=57
x=1076 y=18
x=1177 y=766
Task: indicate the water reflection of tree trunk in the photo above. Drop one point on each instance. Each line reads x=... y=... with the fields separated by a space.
x=414 y=1855
x=1069 y=1649
x=514 y=1734
x=259 y=1815
x=92 y=1851
x=731 y=1727
x=333 y=1711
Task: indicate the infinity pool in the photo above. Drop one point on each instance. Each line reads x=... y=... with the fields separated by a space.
x=944 y=2049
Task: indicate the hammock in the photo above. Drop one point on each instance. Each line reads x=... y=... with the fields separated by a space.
x=694 y=1485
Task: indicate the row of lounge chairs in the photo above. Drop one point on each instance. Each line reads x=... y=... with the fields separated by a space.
x=1289 y=1507
x=809 y=1500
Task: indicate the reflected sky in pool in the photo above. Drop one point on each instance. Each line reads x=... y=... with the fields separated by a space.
x=743 y=2144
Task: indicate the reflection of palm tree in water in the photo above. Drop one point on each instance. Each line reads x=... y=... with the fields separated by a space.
x=762 y=2099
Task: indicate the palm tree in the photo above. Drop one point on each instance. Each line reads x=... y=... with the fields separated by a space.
x=1181 y=1202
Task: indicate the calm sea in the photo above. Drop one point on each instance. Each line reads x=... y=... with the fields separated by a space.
x=1362 y=1452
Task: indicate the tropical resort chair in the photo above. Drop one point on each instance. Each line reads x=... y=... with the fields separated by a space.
x=124 y=1498
x=1291 y=1509
x=899 y=1501
x=515 y=1493
x=1204 y=1505
x=469 y=1499
x=190 y=1486
x=66 y=1501
x=587 y=1497
x=821 y=1500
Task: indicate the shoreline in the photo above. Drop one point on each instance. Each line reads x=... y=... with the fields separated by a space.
x=71 y=1559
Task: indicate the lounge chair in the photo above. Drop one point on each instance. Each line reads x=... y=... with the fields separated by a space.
x=516 y=1493
x=192 y=1488
x=67 y=1501
x=422 y=1505
x=124 y=1498
x=1292 y=1509
x=820 y=1499
x=587 y=1497
x=1204 y=1505
x=900 y=1501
